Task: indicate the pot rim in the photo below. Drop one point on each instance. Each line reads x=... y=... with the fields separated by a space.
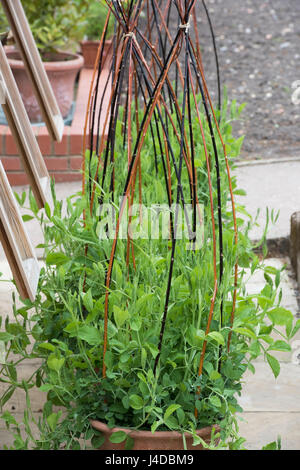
x=203 y=432
x=76 y=62
x=95 y=41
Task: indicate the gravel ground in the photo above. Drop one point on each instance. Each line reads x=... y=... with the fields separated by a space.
x=259 y=54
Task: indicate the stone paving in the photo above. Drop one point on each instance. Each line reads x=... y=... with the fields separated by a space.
x=271 y=407
x=274 y=185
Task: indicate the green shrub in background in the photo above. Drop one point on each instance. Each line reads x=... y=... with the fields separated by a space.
x=61 y=24
x=96 y=20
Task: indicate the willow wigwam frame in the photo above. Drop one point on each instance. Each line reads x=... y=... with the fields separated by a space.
x=153 y=65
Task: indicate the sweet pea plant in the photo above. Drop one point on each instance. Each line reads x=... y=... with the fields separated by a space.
x=63 y=329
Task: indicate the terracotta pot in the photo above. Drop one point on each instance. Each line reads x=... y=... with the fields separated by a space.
x=146 y=440
x=89 y=51
x=62 y=71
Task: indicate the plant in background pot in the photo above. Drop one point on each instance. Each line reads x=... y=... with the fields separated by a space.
x=57 y=27
x=95 y=23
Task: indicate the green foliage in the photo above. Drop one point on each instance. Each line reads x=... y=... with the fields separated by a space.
x=61 y=24
x=64 y=327
x=276 y=445
x=95 y=22
x=55 y=24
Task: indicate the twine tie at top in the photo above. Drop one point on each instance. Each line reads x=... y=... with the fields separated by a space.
x=129 y=35
x=185 y=26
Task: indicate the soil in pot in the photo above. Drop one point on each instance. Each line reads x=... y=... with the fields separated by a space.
x=62 y=70
x=160 y=440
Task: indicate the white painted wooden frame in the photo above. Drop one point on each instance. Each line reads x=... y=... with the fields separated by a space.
x=16 y=243
x=34 y=66
x=21 y=130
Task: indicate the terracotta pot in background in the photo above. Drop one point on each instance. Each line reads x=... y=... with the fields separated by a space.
x=160 y=440
x=89 y=49
x=62 y=71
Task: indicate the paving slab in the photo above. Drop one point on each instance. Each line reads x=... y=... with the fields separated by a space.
x=264 y=427
x=271 y=407
x=263 y=393
x=272 y=185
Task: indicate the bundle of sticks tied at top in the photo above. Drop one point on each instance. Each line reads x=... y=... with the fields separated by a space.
x=153 y=82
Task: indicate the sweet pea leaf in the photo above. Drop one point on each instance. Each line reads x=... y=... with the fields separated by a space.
x=90 y=334
x=8 y=418
x=56 y=259
x=27 y=217
x=87 y=300
x=295 y=329
x=135 y=323
x=214 y=375
x=143 y=357
x=48 y=346
x=97 y=441
x=218 y=337
x=271 y=446
x=109 y=359
x=117 y=437
x=55 y=363
x=153 y=349
x=195 y=337
x=136 y=402
x=155 y=425
x=6 y=336
x=280 y=346
x=170 y=410
x=120 y=316
x=246 y=332
x=215 y=401
x=46 y=387
x=52 y=420
x=280 y=316
x=129 y=443
x=274 y=364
